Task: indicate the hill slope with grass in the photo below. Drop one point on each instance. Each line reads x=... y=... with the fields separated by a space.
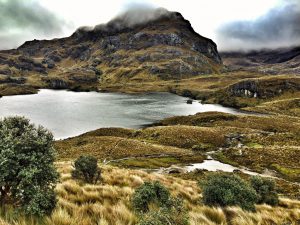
x=162 y=48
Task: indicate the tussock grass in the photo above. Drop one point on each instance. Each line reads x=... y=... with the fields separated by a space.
x=104 y=147
x=109 y=202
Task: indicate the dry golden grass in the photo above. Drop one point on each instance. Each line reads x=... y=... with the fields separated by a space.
x=108 y=202
x=281 y=105
x=106 y=147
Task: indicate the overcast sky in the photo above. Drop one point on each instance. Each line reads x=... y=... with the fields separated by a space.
x=232 y=24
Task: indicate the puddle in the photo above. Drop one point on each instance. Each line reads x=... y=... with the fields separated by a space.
x=214 y=165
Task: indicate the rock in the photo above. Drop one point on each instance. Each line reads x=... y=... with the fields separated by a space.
x=264 y=88
x=189 y=101
x=111 y=43
x=96 y=62
x=173 y=170
x=80 y=51
x=50 y=65
x=25 y=63
x=5 y=71
x=235 y=139
x=56 y=83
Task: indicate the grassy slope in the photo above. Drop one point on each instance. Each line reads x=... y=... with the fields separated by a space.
x=108 y=203
x=270 y=142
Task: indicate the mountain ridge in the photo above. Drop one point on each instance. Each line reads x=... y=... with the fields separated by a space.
x=162 y=48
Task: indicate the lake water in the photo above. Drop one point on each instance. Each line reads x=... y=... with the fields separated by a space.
x=68 y=114
x=214 y=165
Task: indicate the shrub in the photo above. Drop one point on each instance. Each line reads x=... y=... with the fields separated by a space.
x=265 y=189
x=27 y=173
x=86 y=168
x=150 y=193
x=175 y=214
x=228 y=190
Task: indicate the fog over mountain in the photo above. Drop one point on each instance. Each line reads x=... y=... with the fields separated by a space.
x=280 y=27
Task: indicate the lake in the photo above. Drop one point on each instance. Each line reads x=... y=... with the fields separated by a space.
x=68 y=113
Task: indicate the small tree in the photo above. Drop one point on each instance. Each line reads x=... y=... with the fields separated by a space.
x=150 y=193
x=86 y=168
x=265 y=189
x=164 y=216
x=170 y=210
x=228 y=190
x=27 y=172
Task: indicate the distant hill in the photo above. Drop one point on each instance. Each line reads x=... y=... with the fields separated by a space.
x=278 y=61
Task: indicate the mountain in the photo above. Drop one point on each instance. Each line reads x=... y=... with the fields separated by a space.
x=162 y=47
x=268 y=61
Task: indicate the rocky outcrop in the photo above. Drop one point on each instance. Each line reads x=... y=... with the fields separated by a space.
x=56 y=83
x=25 y=63
x=264 y=88
x=4 y=79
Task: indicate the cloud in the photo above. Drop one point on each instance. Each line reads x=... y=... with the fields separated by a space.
x=280 y=27
x=20 y=20
x=139 y=13
x=133 y=14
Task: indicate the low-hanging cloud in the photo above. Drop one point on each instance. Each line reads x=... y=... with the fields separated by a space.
x=22 y=20
x=133 y=14
x=280 y=27
x=137 y=13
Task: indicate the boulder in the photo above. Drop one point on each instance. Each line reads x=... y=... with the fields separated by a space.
x=173 y=170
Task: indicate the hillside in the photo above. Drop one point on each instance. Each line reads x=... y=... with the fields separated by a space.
x=268 y=61
x=162 y=48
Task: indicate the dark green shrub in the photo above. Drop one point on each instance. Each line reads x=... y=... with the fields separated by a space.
x=150 y=193
x=265 y=189
x=175 y=214
x=228 y=190
x=86 y=168
x=27 y=173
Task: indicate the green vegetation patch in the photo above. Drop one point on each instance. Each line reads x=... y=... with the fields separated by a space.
x=291 y=173
x=157 y=162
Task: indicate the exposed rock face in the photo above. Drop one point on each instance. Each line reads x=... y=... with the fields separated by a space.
x=264 y=88
x=166 y=47
x=56 y=83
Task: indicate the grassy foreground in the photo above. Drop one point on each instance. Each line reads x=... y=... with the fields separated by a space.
x=108 y=203
x=267 y=143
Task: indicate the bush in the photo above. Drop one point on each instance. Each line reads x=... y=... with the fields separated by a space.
x=150 y=193
x=86 y=168
x=265 y=189
x=228 y=190
x=27 y=173
x=175 y=214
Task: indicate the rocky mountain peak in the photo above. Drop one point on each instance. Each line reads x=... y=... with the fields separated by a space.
x=136 y=45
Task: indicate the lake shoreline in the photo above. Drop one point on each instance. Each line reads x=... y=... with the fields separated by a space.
x=101 y=109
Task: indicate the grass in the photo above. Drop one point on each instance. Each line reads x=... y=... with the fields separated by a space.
x=110 y=147
x=292 y=173
x=223 y=158
x=108 y=203
x=16 y=89
x=157 y=162
x=254 y=145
